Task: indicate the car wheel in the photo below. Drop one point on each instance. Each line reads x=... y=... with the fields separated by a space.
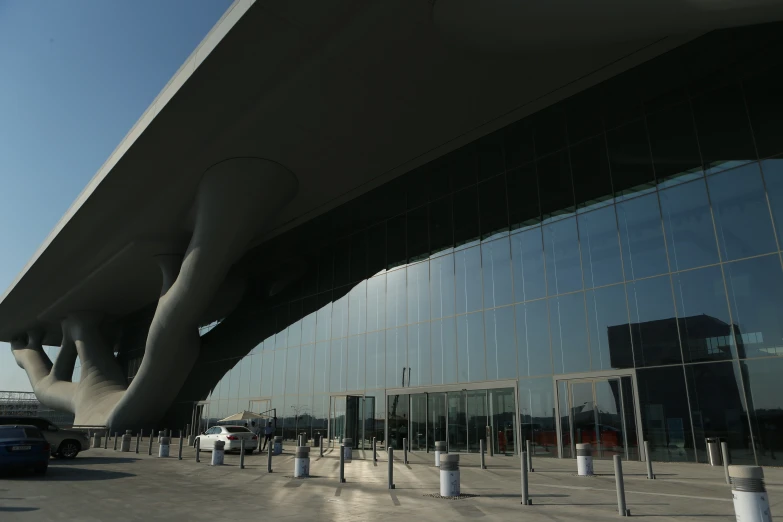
x=69 y=449
x=41 y=469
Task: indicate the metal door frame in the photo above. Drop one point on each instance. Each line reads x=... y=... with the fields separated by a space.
x=605 y=374
x=444 y=388
x=329 y=413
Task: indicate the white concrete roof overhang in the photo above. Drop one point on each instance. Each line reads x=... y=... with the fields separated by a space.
x=347 y=95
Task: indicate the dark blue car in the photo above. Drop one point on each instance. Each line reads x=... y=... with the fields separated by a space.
x=23 y=447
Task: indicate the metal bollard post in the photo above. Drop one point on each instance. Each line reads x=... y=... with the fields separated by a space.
x=115 y=441
x=342 y=464
x=618 y=479
x=374 y=451
x=391 y=468
x=149 y=452
x=751 y=503
x=106 y=439
x=241 y=453
x=481 y=450
x=198 y=450
x=138 y=441
x=269 y=458
x=724 y=449
x=321 y=446
x=181 y=443
x=648 y=458
x=523 y=468
x=163 y=448
x=302 y=462
x=529 y=445
x=405 y=451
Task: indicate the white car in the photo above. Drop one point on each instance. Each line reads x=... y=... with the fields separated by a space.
x=232 y=436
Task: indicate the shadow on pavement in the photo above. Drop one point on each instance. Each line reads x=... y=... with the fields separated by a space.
x=82 y=461
x=76 y=474
x=4 y=509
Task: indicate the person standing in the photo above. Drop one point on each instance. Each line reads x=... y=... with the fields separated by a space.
x=268 y=431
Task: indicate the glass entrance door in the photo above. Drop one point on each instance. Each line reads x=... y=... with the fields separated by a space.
x=353 y=417
x=599 y=412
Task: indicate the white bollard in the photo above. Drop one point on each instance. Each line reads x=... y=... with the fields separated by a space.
x=218 y=453
x=751 y=503
x=449 y=475
x=302 y=462
x=584 y=460
x=440 y=449
x=278 y=447
x=348 y=449
x=125 y=444
x=165 y=446
x=96 y=440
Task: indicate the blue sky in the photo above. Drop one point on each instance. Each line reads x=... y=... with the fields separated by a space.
x=75 y=76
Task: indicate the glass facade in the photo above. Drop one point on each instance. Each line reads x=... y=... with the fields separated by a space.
x=633 y=228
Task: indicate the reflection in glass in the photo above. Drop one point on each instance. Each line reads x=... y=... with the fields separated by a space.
x=306 y=369
x=629 y=159
x=496 y=263
x=718 y=409
x=376 y=360
x=436 y=422
x=339 y=364
x=741 y=214
x=468 y=277
x=444 y=355
x=321 y=368
x=356 y=369
x=470 y=346
x=665 y=416
x=323 y=320
x=755 y=289
x=674 y=146
x=561 y=249
x=396 y=358
x=419 y=354
x=395 y=298
x=340 y=317
x=568 y=330
x=418 y=292
x=690 y=235
x=376 y=303
x=641 y=235
x=501 y=346
x=703 y=315
x=532 y=328
x=278 y=387
x=765 y=403
x=357 y=309
x=267 y=373
x=607 y=314
x=537 y=409
x=527 y=254
x=653 y=324
x=773 y=179
x=292 y=371
x=442 y=286
x=600 y=248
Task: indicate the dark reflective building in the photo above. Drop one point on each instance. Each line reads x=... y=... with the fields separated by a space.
x=606 y=270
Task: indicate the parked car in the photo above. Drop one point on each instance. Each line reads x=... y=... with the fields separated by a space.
x=231 y=435
x=65 y=444
x=23 y=446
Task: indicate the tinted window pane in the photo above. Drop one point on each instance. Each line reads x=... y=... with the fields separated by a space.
x=532 y=324
x=523 y=206
x=641 y=236
x=765 y=106
x=358 y=257
x=537 y=408
x=600 y=245
x=418 y=234
x=496 y=265
x=323 y=319
x=568 y=330
x=292 y=371
x=501 y=345
x=267 y=374
x=556 y=189
x=718 y=409
x=340 y=317
x=561 y=248
x=490 y=155
x=629 y=159
x=376 y=360
x=395 y=298
x=441 y=228
x=444 y=351
x=493 y=207
x=527 y=255
x=376 y=303
x=470 y=347
x=741 y=214
x=466 y=229
x=607 y=320
x=755 y=288
x=592 y=179
x=342 y=263
x=665 y=418
x=442 y=286
x=550 y=129
x=765 y=402
x=279 y=380
x=396 y=357
x=376 y=249
x=306 y=369
x=395 y=242
x=518 y=143
x=356 y=369
x=419 y=355
x=418 y=292
x=724 y=131
x=321 y=368
x=584 y=116
x=690 y=235
x=338 y=371
x=357 y=309
x=468 y=280
x=773 y=179
x=675 y=149
x=325 y=270
x=653 y=324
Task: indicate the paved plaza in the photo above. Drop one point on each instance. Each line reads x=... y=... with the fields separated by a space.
x=107 y=485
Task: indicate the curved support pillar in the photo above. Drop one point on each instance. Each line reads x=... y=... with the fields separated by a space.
x=50 y=390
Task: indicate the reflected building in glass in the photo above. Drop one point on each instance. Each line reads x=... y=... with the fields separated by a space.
x=606 y=270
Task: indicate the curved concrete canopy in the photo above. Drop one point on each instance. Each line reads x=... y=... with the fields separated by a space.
x=345 y=94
